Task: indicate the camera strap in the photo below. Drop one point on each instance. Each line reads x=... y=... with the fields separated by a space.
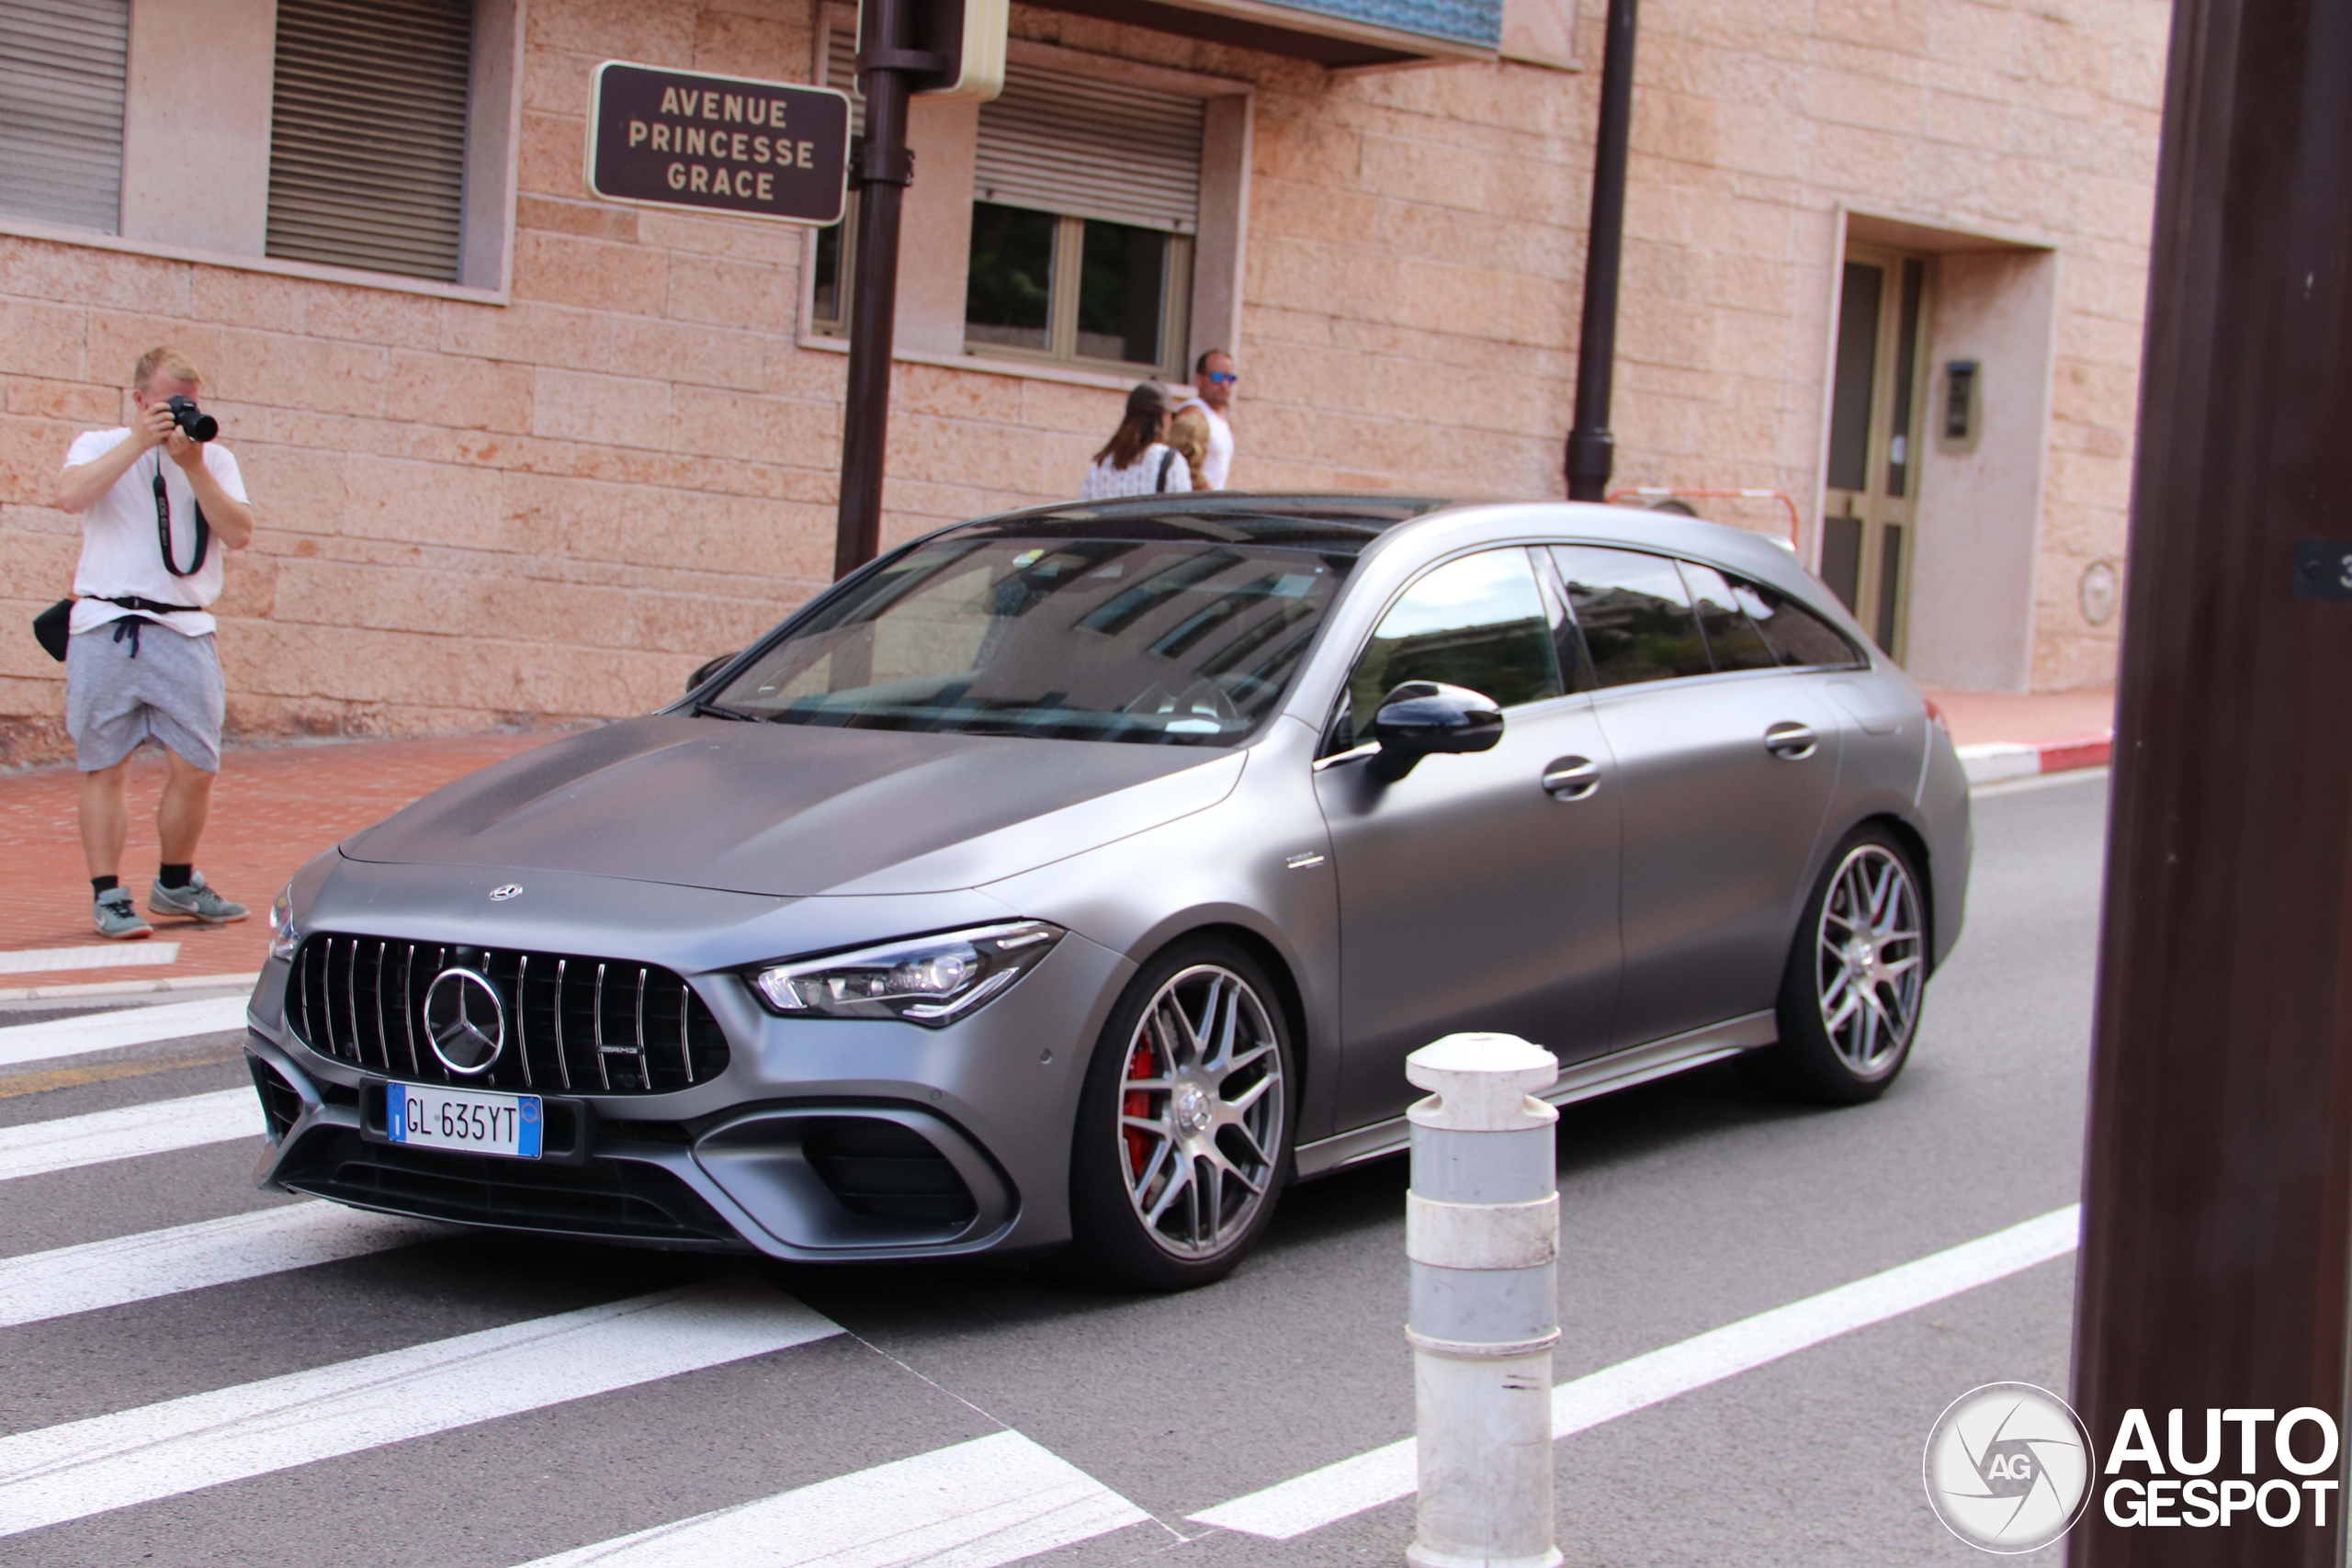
x=163 y=528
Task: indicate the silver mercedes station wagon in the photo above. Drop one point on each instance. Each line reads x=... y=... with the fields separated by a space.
x=1084 y=876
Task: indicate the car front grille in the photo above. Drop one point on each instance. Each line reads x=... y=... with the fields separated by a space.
x=574 y=1024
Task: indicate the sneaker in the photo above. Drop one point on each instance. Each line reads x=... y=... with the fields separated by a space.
x=114 y=916
x=195 y=901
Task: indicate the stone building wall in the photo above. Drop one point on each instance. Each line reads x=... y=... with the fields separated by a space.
x=475 y=516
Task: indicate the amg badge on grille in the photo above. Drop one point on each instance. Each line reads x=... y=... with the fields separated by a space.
x=466 y=1020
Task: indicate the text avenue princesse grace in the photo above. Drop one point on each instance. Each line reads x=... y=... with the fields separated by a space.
x=739 y=162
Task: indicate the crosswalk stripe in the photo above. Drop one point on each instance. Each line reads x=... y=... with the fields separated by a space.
x=993 y=1500
x=117 y=1027
x=69 y=1472
x=1384 y=1474
x=36 y=1148
x=36 y=1286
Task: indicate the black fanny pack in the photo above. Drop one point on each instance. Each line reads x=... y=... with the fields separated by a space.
x=53 y=626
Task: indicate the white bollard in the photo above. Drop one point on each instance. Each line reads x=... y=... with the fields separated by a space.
x=1482 y=1228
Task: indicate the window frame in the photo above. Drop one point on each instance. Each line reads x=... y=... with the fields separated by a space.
x=1207 y=313
x=494 y=153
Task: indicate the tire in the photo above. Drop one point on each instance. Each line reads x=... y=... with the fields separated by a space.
x=1184 y=1122
x=1843 y=1043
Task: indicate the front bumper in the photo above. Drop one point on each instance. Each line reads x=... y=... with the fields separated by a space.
x=801 y=1180
x=820 y=1141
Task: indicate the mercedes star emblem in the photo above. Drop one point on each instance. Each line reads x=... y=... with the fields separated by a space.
x=500 y=895
x=465 y=1020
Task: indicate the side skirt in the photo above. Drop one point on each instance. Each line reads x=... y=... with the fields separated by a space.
x=1603 y=1074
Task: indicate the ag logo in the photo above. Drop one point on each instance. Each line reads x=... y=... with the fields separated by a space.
x=2008 y=1467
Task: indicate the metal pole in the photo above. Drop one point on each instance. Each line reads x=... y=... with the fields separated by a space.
x=881 y=176
x=1592 y=448
x=2217 y=1189
x=1482 y=1229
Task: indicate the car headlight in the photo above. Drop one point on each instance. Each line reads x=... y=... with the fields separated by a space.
x=283 y=938
x=929 y=980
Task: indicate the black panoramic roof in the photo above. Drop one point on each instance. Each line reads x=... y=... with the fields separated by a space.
x=1345 y=524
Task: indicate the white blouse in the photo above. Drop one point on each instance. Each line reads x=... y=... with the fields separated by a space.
x=1104 y=482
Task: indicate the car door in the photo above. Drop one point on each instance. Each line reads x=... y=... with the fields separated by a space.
x=1473 y=895
x=1726 y=764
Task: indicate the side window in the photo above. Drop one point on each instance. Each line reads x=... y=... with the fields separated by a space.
x=1735 y=644
x=1478 y=622
x=1635 y=614
x=1795 y=633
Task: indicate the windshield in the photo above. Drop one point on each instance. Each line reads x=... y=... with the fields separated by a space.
x=1181 y=641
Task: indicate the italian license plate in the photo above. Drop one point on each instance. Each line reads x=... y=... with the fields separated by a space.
x=478 y=1124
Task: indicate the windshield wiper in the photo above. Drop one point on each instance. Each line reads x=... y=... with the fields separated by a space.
x=710 y=709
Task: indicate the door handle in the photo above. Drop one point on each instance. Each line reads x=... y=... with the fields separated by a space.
x=1792 y=742
x=1571 y=778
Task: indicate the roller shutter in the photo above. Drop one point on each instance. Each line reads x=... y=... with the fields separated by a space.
x=1058 y=142
x=840 y=71
x=368 y=133
x=61 y=64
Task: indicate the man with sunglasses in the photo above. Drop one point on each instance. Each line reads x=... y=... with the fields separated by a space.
x=1212 y=383
x=158 y=509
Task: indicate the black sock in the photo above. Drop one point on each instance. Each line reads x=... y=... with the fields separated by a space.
x=102 y=886
x=175 y=876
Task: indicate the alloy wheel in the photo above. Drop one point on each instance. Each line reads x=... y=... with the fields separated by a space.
x=1201 y=1108
x=1870 y=969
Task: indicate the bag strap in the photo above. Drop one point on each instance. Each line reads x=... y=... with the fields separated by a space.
x=1167 y=461
x=163 y=528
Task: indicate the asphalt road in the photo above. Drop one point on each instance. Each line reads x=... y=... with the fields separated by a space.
x=1688 y=1205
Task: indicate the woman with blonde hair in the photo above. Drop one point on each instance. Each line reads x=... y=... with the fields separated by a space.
x=1137 y=460
x=1188 y=433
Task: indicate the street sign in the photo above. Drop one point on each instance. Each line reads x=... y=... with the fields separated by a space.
x=723 y=144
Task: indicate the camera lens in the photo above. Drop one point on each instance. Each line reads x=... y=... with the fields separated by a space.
x=193 y=422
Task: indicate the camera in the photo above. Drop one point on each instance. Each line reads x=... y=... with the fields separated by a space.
x=194 y=423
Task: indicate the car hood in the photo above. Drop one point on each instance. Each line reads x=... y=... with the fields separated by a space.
x=795 y=811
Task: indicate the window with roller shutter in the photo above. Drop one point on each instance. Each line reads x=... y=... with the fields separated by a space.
x=367 y=134
x=62 y=66
x=1085 y=202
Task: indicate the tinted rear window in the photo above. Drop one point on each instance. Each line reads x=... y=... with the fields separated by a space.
x=1735 y=644
x=1635 y=615
x=1796 y=636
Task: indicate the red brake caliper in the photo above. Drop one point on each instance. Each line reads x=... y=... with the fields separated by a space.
x=1137 y=1103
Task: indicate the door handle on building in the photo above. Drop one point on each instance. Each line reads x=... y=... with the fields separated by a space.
x=1792 y=742
x=1571 y=778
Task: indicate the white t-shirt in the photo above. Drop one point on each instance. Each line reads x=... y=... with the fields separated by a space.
x=1218 y=464
x=1141 y=477
x=120 y=554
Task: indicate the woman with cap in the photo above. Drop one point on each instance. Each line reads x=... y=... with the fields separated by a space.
x=1137 y=460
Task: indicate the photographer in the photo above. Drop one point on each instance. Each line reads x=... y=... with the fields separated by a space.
x=160 y=502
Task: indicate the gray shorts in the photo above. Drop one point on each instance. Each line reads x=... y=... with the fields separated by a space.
x=171 y=691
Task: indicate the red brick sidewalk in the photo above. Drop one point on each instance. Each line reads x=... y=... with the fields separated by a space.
x=273 y=809
x=1979 y=719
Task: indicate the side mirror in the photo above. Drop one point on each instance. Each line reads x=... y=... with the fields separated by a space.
x=1421 y=718
x=707 y=670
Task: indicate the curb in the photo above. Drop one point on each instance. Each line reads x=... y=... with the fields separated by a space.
x=131 y=987
x=2009 y=760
